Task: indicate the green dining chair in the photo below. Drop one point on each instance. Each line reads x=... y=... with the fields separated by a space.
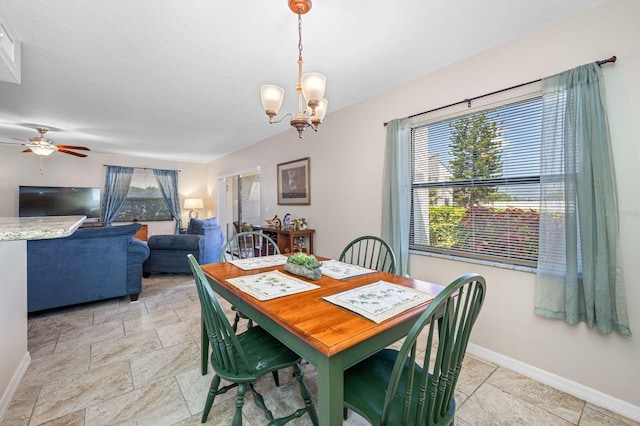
x=403 y=388
x=243 y=358
x=370 y=252
x=245 y=245
x=241 y=246
x=248 y=244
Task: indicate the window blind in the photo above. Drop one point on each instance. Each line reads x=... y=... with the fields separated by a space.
x=476 y=184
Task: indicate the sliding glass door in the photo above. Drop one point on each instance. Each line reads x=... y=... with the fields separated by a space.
x=239 y=198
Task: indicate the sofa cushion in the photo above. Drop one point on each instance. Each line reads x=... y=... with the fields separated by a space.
x=108 y=231
x=196 y=226
x=187 y=242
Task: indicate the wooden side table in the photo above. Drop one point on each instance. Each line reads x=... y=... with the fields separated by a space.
x=143 y=233
x=288 y=240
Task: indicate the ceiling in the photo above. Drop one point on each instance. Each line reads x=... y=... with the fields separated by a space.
x=180 y=80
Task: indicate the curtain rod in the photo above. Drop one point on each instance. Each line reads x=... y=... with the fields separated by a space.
x=141 y=168
x=468 y=100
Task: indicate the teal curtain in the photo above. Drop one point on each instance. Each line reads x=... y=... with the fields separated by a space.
x=168 y=183
x=579 y=273
x=116 y=188
x=396 y=191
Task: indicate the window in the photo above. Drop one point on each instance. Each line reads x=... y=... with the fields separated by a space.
x=476 y=184
x=144 y=199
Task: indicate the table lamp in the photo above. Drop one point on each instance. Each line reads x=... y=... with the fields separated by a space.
x=193 y=204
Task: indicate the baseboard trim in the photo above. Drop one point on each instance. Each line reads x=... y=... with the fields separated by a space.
x=14 y=384
x=578 y=390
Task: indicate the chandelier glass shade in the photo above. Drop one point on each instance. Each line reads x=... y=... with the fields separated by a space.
x=312 y=105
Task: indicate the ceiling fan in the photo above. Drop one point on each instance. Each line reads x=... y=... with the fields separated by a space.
x=43 y=146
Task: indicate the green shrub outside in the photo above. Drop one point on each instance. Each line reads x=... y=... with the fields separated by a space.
x=443 y=225
x=475 y=229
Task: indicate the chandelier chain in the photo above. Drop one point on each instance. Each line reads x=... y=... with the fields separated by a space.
x=299 y=36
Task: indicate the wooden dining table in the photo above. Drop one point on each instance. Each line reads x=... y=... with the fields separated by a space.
x=328 y=336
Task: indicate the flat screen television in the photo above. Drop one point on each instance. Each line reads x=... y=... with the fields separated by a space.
x=59 y=201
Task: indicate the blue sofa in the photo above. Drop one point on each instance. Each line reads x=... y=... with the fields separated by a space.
x=168 y=253
x=91 y=264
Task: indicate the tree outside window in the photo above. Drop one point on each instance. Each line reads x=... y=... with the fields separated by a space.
x=475 y=156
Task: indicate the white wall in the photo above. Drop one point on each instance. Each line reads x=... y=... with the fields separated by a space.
x=346 y=173
x=17 y=168
x=13 y=317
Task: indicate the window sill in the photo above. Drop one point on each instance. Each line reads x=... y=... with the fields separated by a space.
x=520 y=268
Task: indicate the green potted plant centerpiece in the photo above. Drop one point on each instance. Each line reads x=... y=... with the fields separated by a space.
x=304 y=265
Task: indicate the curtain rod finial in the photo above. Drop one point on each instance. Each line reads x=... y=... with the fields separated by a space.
x=606 y=61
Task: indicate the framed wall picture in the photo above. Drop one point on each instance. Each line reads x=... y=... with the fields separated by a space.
x=294 y=187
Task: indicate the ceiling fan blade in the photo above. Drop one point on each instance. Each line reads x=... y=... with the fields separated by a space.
x=82 y=148
x=77 y=154
x=27 y=150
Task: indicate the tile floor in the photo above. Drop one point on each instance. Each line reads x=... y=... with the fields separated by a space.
x=116 y=362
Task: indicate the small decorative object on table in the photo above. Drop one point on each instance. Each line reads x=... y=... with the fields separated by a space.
x=275 y=222
x=286 y=221
x=304 y=265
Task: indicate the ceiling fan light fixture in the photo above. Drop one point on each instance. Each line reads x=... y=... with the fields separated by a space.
x=43 y=146
x=42 y=149
x=40 y=145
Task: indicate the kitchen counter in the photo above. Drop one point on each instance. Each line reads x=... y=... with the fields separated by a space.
x=38 y=228
x=14 y=355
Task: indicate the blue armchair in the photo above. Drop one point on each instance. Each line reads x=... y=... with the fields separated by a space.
x=168 y=253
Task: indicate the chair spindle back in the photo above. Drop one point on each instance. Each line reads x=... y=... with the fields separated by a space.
x=451 y=317
x=248 y=244
x=370 y=252
x=228 y=356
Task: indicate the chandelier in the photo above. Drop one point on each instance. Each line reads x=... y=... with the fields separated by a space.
x=310 y=87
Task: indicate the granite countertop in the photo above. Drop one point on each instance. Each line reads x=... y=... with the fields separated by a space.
x=38 y=228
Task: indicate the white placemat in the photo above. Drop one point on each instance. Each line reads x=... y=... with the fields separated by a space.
x=259 y=262
x=271 y=285
x=379 y=301
x=340 y=270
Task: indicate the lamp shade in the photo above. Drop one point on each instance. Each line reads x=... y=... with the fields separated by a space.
x=272 y=97
x=321 y=109
x=193 y=203
x=313 y=85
